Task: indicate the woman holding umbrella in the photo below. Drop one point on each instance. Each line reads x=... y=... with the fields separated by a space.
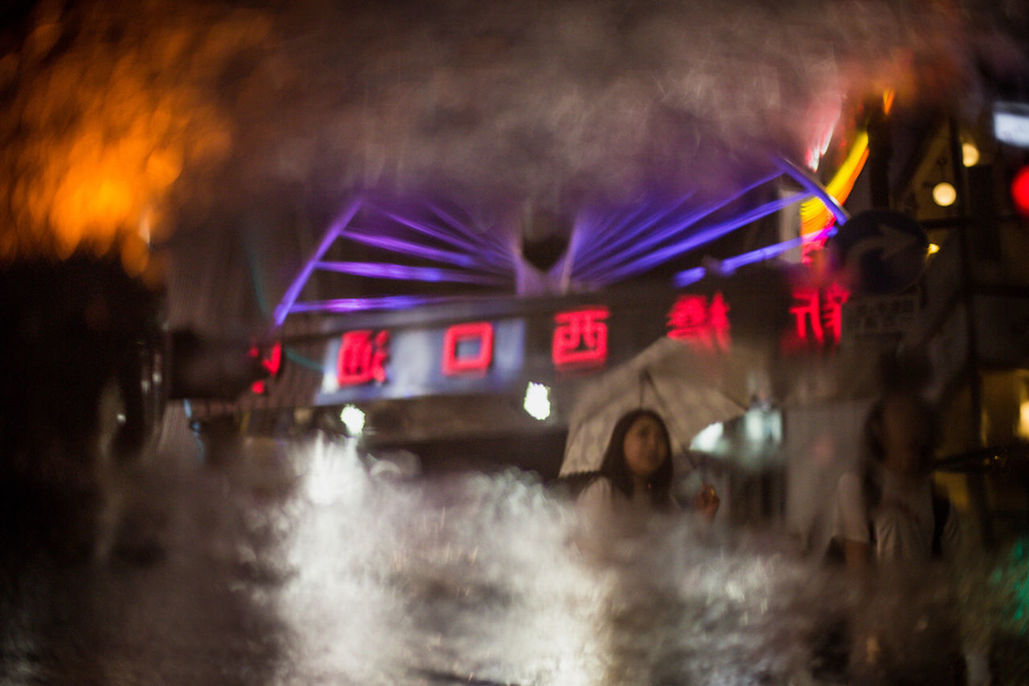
x=634 y=482
x=636 y=473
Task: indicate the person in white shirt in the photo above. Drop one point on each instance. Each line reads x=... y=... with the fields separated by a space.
x=888 y=517
x=888 y=511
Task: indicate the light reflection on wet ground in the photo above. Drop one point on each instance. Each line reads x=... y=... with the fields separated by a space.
x=297 y=567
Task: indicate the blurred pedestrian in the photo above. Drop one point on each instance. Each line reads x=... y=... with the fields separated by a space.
x=889 y=523
x=888 y=510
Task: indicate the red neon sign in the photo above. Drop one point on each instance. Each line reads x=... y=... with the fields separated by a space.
x=697 y=321
x=580 y=337
x=270 y=363
x=453 y=363
x=362 y=357
x=817 y=314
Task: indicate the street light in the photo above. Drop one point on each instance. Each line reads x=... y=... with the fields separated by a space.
x=537 y=400
x=944 y=194
x=353 y=419
x=969 y=154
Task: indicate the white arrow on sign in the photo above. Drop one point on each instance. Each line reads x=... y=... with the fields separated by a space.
x=890 y=241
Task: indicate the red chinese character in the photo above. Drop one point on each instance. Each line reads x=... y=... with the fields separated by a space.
x=693 y=319
x=832 y=310
x=361 y=358
x=806 y=310
x=580 y=337
x=822 y=311
x=687 y=319
x=477 y=363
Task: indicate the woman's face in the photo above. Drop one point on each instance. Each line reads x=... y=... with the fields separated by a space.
x=645 y=447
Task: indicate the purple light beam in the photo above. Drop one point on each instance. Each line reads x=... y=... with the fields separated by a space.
x=385 y=270
x=285 y=305
x=689 y=276
x=620 y=233
x=610 y=264
x=470 y=248
x=486 y=240
x=706 y=236
x=806 y=181
x=423 y=251
x=392 y=302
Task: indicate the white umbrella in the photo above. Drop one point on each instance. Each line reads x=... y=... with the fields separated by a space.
x=689 y=388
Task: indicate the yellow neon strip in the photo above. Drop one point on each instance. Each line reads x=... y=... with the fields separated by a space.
x=814 y=215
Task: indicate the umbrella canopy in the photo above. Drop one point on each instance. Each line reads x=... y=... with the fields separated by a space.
x=689 y=388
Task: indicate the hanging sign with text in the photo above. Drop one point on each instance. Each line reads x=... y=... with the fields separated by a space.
x=500 y=354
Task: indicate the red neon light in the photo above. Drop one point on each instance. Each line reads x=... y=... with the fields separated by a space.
x=273 y=362
x=806 y=310
x=833 y=299
x=362 y=357
x=580 y=337
x=477 y=364
x=270 y=363
x=818 y=314
x=695 y=320
x=1020 y=191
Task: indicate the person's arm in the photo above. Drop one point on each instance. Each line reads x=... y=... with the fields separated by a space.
x=850 y=523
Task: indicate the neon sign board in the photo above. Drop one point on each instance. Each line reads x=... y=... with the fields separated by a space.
x=502 y=354
x=402 y=362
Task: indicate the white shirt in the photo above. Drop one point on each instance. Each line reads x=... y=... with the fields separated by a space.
x=600 y=498
x=903 y=520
